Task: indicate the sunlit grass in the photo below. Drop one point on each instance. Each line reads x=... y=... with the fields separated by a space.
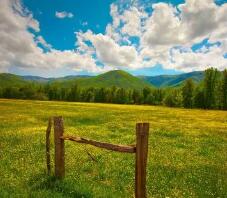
x=187 y=150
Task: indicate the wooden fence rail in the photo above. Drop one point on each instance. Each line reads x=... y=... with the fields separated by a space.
x=140 y=150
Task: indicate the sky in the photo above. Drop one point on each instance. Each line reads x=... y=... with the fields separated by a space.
x=150 y=37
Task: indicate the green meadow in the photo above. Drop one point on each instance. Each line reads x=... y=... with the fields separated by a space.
x=187 y=150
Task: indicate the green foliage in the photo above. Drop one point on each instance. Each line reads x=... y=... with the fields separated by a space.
x=199 y=98
x=187 y=93
x=224 y=90
x=174 y=80
x=117 y=78
x=11 y=80
x=122 y=88
x=173 y=98
x=210 y=85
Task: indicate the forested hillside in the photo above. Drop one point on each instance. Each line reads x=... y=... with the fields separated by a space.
x=173 y=80
x=123 y=88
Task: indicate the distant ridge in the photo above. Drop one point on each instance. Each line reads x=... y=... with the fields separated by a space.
x=11 y=80
x=42 y=79
x=173 y=80
x=116 y=78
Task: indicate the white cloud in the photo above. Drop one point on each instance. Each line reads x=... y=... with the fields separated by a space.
x=132 y=20
x=19 y=47
x=189 y=61
x=41 y=40
x=64 y=14
x=163 y=27
x=164 y=36
x=196 y=20
x=108 y=51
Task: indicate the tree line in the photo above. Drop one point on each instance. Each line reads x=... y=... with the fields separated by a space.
x=210 y=93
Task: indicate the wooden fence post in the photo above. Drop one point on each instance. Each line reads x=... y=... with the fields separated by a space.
x=59 y=147
x=48 y=145
x=142 y=131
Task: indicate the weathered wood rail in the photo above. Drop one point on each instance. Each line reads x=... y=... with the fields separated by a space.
x=140 y=150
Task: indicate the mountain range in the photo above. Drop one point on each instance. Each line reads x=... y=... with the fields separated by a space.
x=173 y=80
x=116 y=78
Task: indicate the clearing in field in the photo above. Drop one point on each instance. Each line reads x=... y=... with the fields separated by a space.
x=186 y=158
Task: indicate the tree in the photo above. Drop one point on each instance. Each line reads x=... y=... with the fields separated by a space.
x=150 y=99
x=146 y=93
x=136 y=96
x=187 y=93
x=27 y=92
x=88 y=95
x=100 y=95
x=10 y=92
x=199 y=98
x=224 y=90
x=158 y=96
x=74 y=94
x=122 y=97
x=173 y=98
x=210 y=82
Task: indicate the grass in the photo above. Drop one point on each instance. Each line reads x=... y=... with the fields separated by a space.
x=187 y=150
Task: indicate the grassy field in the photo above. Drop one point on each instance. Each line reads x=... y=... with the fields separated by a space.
x=187 y=150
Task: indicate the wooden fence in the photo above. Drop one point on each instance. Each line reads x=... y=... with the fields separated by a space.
x=140 y=150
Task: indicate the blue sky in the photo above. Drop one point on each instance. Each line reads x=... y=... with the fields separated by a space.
x=93 y=36
x=59 y=33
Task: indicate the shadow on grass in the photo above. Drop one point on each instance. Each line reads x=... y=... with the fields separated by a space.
x=55 y=186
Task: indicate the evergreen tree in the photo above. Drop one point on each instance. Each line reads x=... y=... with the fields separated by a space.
x=113 y=92
x=74 y=94
x=150 y=99
x=1 y=93
x=158 y=96
x=146 y=93
x=100 y=95
x=224 y=90
x=210 y=82
x=187 y=93
x=122 y=96
x=136 y=96
x=199 y=98
x=173 y=98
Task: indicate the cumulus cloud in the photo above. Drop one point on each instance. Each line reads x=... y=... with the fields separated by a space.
x=190 y=23
x=163 y=34
x=109 y=52
x=132 y=20
x=64 y=14
x=41 y=40
x=19 y=47
x=134 y=39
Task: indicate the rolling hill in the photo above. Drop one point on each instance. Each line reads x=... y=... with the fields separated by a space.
x=45 y=80
x=11 y=80
x=116 y=78
x=173 y=80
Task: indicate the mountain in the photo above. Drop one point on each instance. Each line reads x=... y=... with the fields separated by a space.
x=173 y=80
x=116 y=78
x=37 y=79
x=11 y=80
